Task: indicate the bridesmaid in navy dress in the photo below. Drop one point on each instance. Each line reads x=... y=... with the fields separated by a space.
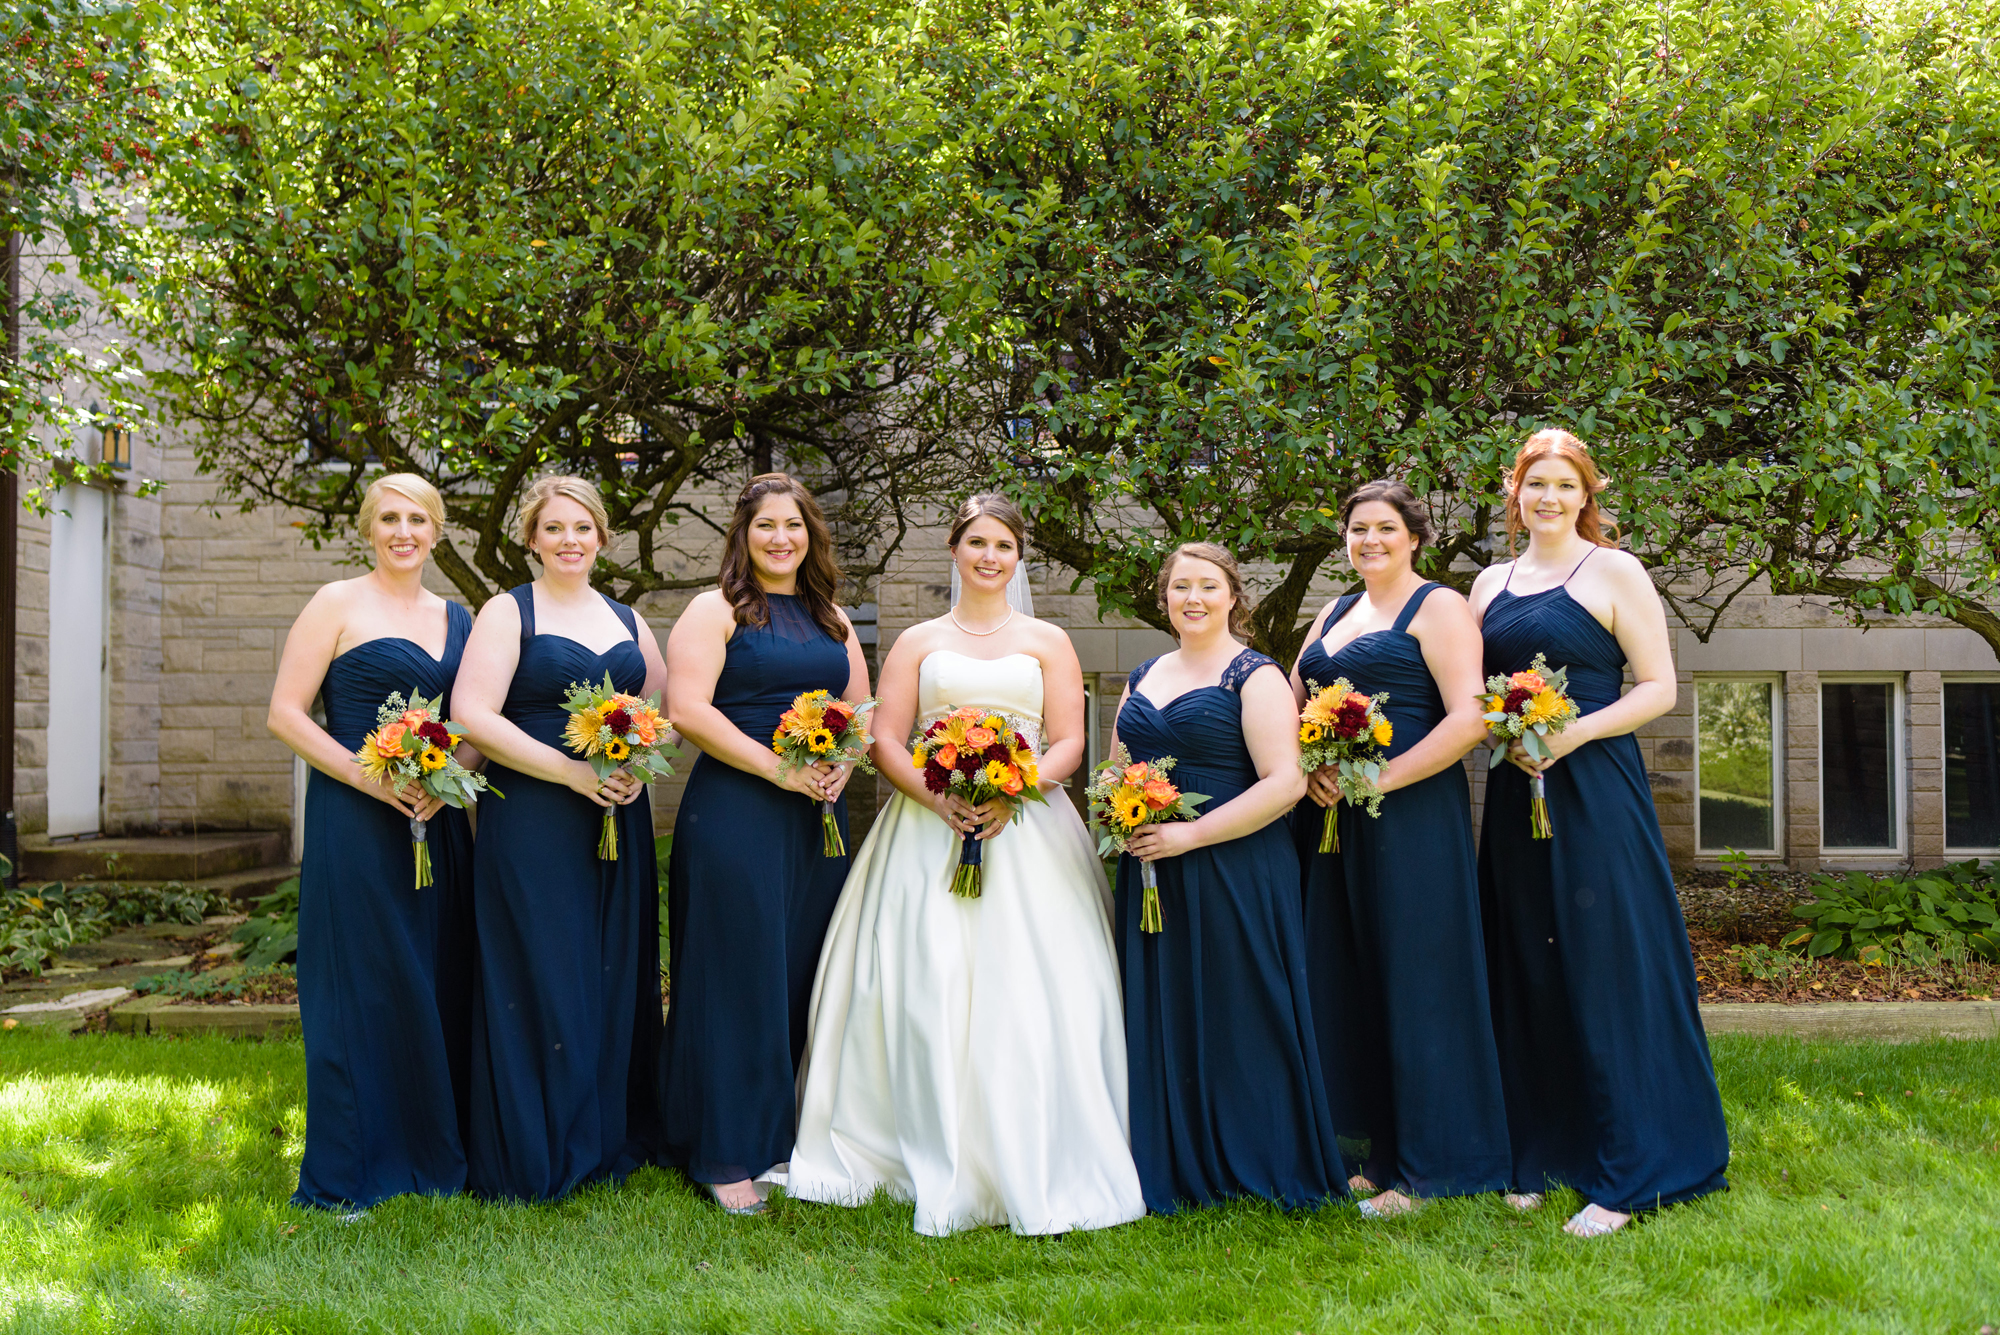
x=384 y=968
x=749 y=887
x=1398 y=962
x=566 y=1015
x=1227 y=1097
x=1609 y=1085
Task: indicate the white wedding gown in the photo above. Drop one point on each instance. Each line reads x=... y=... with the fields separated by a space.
x=969 y=1054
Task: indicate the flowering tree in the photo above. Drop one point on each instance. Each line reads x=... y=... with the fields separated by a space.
x=1239 y=257
x=649 y=244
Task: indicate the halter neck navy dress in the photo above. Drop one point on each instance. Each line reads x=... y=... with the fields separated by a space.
x=1227 y=1098
x=749 y=894
x=1397 y=962
x=385 y=969
x=1610 y=1089
x=566 y=1018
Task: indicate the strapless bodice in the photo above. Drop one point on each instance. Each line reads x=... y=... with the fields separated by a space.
x=949 y=680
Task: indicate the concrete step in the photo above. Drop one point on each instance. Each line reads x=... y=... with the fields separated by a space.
x=241 y=886
x=151 y=859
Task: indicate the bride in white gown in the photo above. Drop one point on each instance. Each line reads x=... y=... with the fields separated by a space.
x=968 y=1055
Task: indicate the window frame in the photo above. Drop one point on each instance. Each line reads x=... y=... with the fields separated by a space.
x=1949 y=679
x=1779 y=806
x=1899 y=760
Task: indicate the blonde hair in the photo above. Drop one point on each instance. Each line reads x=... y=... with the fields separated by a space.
x=545 y=489
x=427 y=497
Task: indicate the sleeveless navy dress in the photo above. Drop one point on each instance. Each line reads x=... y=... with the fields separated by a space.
x=749 y=894
x=385 y=969
x=1397 y=961
x=1609 y=1085
x=1226 y=1094
x=566 y=1018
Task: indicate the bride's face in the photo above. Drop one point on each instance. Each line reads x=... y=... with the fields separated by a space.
x=1198 y=597
x=986 y=554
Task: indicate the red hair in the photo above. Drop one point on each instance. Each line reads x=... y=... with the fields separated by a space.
x=1555 y=443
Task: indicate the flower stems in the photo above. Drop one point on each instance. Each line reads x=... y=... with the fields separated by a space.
x=607 y=842
x=831 y=845
x=1149 y=902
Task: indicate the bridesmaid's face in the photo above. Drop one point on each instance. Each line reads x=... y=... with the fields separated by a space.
x=1198 y=597
x=986 y=554
x=566 y=538
x=1552 y=494
x=403 y=535
x=777 y=539
x=1378 y=541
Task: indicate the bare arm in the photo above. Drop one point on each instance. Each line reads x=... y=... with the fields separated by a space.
x=1064 y=727
x=1271 y=733
x=1455 y=655
x=485 y=672
x=857 y=690
x=309 y=651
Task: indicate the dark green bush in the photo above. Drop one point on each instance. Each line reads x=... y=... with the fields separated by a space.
x=272 y=934
x=1954 y=910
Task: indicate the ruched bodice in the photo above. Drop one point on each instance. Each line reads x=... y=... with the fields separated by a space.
x=549 y=663
x=1554 y=624
x=384 y=966
x=358 y=681
x=1201 y=729
x=1382 y=660
x=768 y=666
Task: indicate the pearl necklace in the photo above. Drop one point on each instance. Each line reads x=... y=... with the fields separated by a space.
x=953 y=614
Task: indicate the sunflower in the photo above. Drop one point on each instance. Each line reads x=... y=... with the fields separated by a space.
x=433 y=758
x=1383 y=732
x=996 y=772
x=1310 y=732
x=1130 y=807
x=819 y=741
x=995 y=722
x=617 y=749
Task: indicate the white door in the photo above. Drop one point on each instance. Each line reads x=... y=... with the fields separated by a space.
x=78 y=543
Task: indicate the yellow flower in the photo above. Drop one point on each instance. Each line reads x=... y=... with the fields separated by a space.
x=1023 y=758
x=811 y=707
x=995 y=722
x=617 y=749
x=996 y=772
x=819 y=741
x=1310 y=732
x=1383 y=732
x=373 y=763
x=1130 y=806
x=1546 y=707
x=920 y=757
x=433 y=758
x=582 y=729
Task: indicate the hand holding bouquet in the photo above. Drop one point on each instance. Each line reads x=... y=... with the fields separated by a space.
x=1124 y=797
x=413 y=744
x=614 y=731
x=981 y=757
x=820 y=728
x=1346 y=731
x=1527 y=707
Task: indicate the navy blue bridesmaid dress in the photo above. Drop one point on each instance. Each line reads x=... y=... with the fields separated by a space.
x=1396 y=956
x=566 y=1016
x=1226 y=1094
x=749 y=894
x=1609 y=1085
x=385 y=969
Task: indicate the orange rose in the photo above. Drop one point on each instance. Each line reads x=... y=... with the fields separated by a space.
x=1531 y=682
x=1135 y=776
x=947 y=756
x=1356 y=698
x=647 y=727
x=979 y=738
x=1160 y=794
x=389 y=740
x=415 y=718
x=970 y=713
x=1012 y=783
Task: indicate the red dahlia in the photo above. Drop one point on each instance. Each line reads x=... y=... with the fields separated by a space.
x=997 y=751
x=619 y=721
x=936 y=779
x=836 y=721
x=1350 y=720
x=1517 y=699
x=436 y=734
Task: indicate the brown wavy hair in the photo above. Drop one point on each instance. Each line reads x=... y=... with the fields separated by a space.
x=1397 y=495
x=819 y=573
x=1220 y=557
x=1592 y=525
x=990 y=505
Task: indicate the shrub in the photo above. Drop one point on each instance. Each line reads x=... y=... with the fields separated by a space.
x=40 y=923
x=1954 y=910
x=1767 y=963
x=272 y=934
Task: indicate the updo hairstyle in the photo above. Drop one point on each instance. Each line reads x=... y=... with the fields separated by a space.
x=1220 y=557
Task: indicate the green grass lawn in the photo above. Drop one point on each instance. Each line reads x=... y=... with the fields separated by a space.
x=143 y=1185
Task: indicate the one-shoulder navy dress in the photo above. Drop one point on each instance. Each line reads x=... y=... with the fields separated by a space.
x=749 y=893
x=1610 y=1089
x=566 y=1017
x=1226 y=1094
x=385 y=969
x=1396 y=956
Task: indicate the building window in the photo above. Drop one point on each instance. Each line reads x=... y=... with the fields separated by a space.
x=1860 y=766
x=1972 y=766
x=1736 y=765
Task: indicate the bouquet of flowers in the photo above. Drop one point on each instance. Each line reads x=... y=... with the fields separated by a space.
x=980 y=756
x=412 y=744
x=1529 y=706
x=1125 y=796
x=1342 y=729
x=615 y=731
x=818 y=727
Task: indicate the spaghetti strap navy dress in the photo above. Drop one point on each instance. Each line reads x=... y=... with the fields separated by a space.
x=1610 y=1089
x=384 y=968
x=1226 y=1094
x=566 y=1017
x=1396 y=956
x=749 y=894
